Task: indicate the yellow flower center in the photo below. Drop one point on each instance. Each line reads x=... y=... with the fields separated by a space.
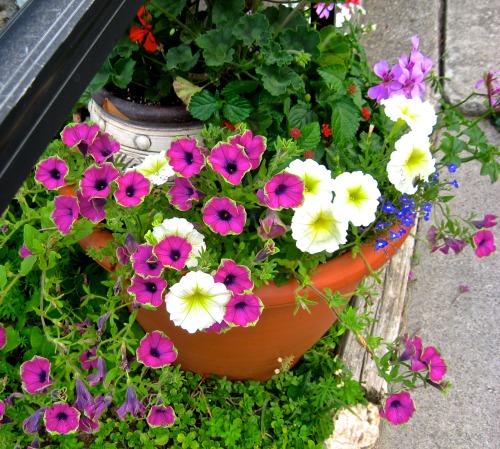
x=356 y=195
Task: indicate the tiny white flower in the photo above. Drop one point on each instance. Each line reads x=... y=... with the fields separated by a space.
x=411 y=160
x=156 y=168
x=318 y=182
x=316 y=227
x=356 y=197
x=197 y=301
x=419 y=116
x=182 y=228
x=344 y=14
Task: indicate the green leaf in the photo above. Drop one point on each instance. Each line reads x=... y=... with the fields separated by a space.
x=334 y=49
x=300 y=115
x=204 y=105
x=217 y=47
x=345 y=122
x=274 y=54
x=102 y=77
x=181 y=57
x=239 y=87
x=302 y=38
x=310 y=136
x=124 y=70
x=30 y=235
x=334 y=76
x=253 y=29
x=173 y=7
x=13 y=339
x=3 y=276
x=237 y=109
x=27 y=265
x=280 y=80
x=227 y=12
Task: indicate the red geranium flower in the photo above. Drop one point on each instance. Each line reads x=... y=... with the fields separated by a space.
x=143 y=34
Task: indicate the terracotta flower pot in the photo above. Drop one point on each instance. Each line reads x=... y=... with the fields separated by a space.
x=140 y=129
x=253 y=352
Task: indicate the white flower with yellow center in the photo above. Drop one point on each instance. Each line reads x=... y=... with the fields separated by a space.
x=182 y=228
x=156 y=168
x=316 y=227
x=356 y=197
x=411 y=161
x=318 y=182
x=197 y=301
x=420 y=116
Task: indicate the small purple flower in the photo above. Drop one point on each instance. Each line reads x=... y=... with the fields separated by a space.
x=380 y=243
x=145 y=263
x=88 y=359
x=65 y=213
x=452 y=167
x=182 y=194
x=3 y=336
x=91 y=208
x=218 y=328
x=413 y=350
x=51 y=172
x=284 y=190
x=96 y=180
x=132 y=188
x=100 y=376
x=271 y=226
x=433 y=360
x=161 y=416
x=32 y=424
x=230 y=161
x=383 y=91
x=224 y=216
x=97 y=408
x=148 y=290
x=186 y=157
x=243 y=310
x=35 y=375
x=323 y=10
x=81 y=134
x=173 y=251
x=130 y=405
x=83 y=396
x=484 y=241
x=156 y=350
x=398 y=409
x=235 y=277
x=254 y=147
x=61 y=419
x=487 y=222
x=82 y=327
x=102 y=148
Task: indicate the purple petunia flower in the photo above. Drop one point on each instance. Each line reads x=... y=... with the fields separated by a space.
x=96 y=181
x=254 y=147
x=102 y=148
x=24 y=251
x=100 y=376
x=81 y=134
x=485 y=243
x=32 y=423
x=173 y=251
x=218 y=328
x=145 y=263
x=130 y=405
x=51 y=172
x=224 y=216
x=182 y=194
x=148 y=290
x=161 y=416
x=156 y=350
x=230 y=161
x=398 y=409
x=132 y=188
x=2 y=409
x=284 y=190
x=35 y=374
x=97 y=408
x=61 y=418
x=433 y=360
x=186 y=157
x=487 y=222
x=3 y=336
x=235 y=277
x=88 y=359
x=243 y=310
x=65 y=213
x=91 y=208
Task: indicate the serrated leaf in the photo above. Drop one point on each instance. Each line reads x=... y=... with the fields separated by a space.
x=274 y=54
x=181 y=57
x=334 y=49
x=345 y=122
x=203 y=105
x=227 y=12
x=303 y=38
x=123 y=71
x=253 y=29
x=310 y=136
x=280 y=80
x=239 y=87
x=236 y=109
x=334 y=76
x=217 y=47
x=300 y=115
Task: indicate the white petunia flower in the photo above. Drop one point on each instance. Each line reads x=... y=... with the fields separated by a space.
x=318 y=182
x=197 y=301
x=356 y=197
x=156 y=168
x=316 y=227
x=182 y=228
x=411 y=160
x=420 y=116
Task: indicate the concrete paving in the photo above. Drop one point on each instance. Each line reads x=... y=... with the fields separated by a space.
x=465 y=329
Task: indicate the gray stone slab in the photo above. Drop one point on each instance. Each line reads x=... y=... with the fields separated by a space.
x=471 y=47
x=465 y=330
